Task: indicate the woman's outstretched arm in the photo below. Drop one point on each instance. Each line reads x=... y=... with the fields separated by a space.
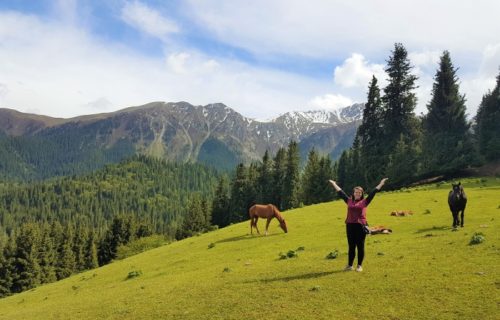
x=377 y=188
x=335 y=186
x=340 y=192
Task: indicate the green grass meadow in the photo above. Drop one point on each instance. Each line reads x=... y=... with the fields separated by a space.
x=423 y=270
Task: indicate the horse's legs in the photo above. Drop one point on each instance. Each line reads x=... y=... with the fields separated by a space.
x=255 y=224
x=462 y=221
x=267 y=224
x=455 y=218
x=251 y=225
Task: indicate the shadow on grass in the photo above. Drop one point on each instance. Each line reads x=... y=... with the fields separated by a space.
x=299 y=276
x=434 y=228
x=246 y=237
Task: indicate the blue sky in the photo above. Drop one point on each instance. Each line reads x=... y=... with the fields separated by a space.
x=65 y=58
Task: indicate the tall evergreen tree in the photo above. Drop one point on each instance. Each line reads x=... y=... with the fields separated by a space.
x=65 y=264
x=399 y=99
x=370 y=135
x=7 y=267
x=91 y=260
x=195 y=220
x=220 y=204
x=238 y=195
x=399 y=161
x=325 y=191
x=488 y=124
x=292 y=178
x=343 y=165
x=279 y=175
x=26 y=258
x=309 y=185
x=399 y=105
x=314 y=182
x=265 y=181
x=447 y=144
x=119 y=233
x=47 y=257
x=79 y=246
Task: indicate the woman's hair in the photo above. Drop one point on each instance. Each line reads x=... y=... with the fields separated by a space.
x=358 y=188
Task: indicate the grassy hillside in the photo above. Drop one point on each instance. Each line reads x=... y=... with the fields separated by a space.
x=423 y=270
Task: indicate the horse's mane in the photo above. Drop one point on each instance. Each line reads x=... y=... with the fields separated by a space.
x=277 y=213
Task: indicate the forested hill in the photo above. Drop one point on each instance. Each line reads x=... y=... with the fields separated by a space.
x=151 y=190
x=52 y=229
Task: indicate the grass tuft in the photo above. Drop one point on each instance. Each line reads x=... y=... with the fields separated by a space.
x=333 y=255
x=134 y=274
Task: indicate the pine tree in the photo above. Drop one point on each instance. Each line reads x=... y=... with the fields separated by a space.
x=370 y=135
x=26 y=258
x=488 y=124
x=309 y=192
x=265 y=180
x=292 y=178
x=343 y=165
x=447 y=144
x=238 y=195
x=220 y=204
x=120 y=232
x=399 y=99
x=399 y=105
x=399 y=161
x=325 y=191
x=79 y=244
x=91 y=260
x=356 y=167
x=65 y=264
x=47 y=257
x=7 y=267
x=279 y=174
x=195 y=220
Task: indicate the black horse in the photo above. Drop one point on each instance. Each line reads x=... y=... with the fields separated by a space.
x=457 y=201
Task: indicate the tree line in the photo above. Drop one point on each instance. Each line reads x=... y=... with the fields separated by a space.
x=392 y=141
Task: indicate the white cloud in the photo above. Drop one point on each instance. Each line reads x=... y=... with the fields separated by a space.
x=100 y=104
x=490 y=64
x=330 y=101
x=356 y=71
x=177 y=62
x=325 y=28
x=148 y=20
x=65 y=72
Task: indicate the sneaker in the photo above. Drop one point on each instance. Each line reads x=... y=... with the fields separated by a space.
x=348 y=268
x=359 y=269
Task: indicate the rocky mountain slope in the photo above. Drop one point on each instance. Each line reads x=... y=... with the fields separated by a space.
x=213 y=134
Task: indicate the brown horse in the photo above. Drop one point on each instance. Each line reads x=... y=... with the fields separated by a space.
x=267 y=211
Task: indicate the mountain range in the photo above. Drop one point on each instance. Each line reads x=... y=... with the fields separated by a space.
x=37 y=146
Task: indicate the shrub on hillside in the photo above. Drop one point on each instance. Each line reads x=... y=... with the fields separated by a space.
x=134 y=274
x=333 y=255
x=477 y=238
x=289 y=254
x=140 y=245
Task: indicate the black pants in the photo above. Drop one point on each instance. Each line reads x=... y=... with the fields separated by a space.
x=356 y=239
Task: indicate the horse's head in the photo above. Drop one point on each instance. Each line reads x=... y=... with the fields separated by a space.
x=280 y=218
x=457 y=190
x=283 y=225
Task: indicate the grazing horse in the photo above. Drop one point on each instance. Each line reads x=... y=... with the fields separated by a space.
x=457 y=201
x=268 y=211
